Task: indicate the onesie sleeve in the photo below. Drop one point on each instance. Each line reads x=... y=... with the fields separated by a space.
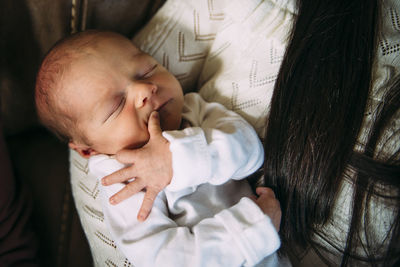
x=219 y=146
x=238 y=236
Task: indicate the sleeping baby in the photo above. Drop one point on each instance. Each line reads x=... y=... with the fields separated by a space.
x=154 y=147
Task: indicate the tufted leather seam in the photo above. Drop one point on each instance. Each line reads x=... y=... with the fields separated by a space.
x=65 y=226
x=79 y=11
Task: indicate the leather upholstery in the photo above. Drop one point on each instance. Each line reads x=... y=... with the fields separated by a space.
x=40 y=161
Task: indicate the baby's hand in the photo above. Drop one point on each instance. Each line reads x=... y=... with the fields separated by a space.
x=151 y=167
x=269 y=205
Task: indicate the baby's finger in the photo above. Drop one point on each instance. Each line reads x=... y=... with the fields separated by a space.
x=127 y=156
x=253 y=197
x=147 y=204
x=129 y=190
x=119 y=176
x=154 y=124
x=265 y=190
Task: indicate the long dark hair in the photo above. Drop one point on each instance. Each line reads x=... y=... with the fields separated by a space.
x=316 y=116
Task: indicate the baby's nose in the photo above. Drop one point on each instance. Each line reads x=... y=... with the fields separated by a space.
x=144 y=92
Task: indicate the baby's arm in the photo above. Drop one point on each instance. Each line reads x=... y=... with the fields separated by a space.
x=219 y=146
x=237 y=236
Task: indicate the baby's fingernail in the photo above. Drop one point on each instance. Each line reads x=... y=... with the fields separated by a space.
x=113 y=201
x=262 y=190
x=103 y=181
x=141 y=217
x=155 y=114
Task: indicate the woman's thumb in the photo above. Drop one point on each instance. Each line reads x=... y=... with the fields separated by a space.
x=154 y=124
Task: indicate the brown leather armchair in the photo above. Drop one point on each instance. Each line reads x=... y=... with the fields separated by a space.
x=40 y=161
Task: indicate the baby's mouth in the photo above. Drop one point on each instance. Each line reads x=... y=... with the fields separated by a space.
x=162 y=105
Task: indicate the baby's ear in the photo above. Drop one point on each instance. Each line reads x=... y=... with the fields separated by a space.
x=83 y=150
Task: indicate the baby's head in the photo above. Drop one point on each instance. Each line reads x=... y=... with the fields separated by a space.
x=96 y=90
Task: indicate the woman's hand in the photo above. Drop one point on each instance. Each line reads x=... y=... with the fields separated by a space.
x=269 y=205
x=151 y=166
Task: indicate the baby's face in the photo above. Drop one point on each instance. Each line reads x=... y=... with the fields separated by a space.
x=115 y=89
